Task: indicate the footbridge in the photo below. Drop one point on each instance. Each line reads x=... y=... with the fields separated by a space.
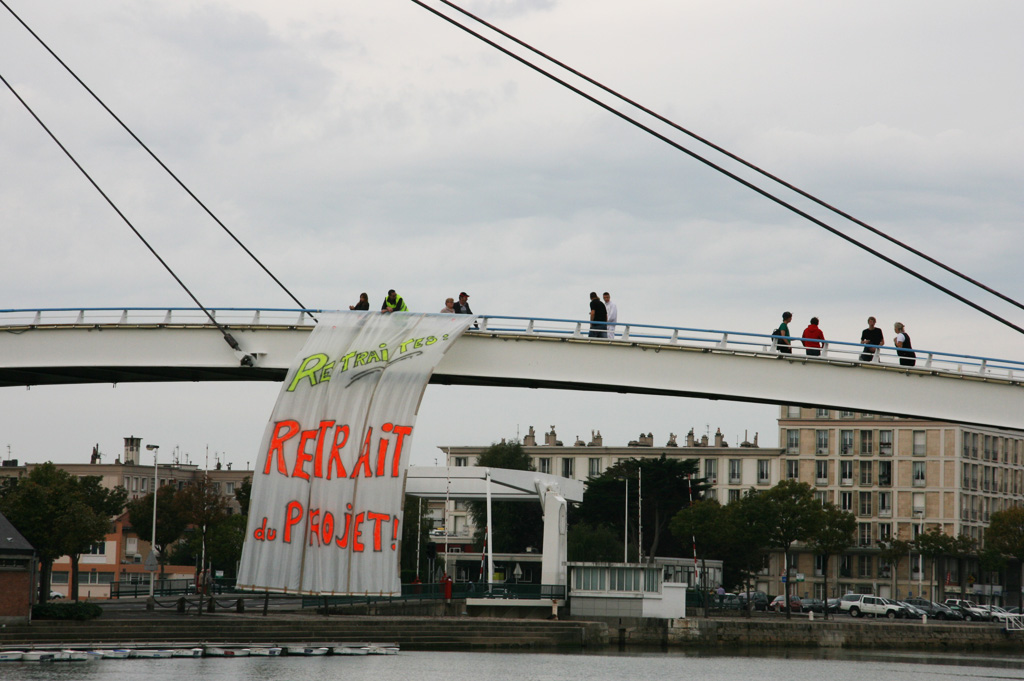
x=118 y=345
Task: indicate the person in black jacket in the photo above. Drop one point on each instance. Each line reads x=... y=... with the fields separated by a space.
x=462 y=307
x=871 y=337
x=908 y=357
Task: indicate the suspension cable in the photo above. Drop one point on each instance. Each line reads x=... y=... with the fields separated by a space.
x=734 y=157
x=155 y=157
x=768 y=195
x=248 y=359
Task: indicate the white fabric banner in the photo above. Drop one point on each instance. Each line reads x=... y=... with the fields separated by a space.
x=326 y=509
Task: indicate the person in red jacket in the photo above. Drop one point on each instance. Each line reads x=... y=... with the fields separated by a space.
x=813 y=347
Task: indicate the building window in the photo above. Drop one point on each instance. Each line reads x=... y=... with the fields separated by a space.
x=792 y=441
x=711 y=494
x=846 y=414
x=822 y=413
x=864 y=564
x=568 y=467
x=867 y=443
x=846 y=442
x=763 y=471
x=822 y=496
x=846 y=565
x=792 y=469
x=821 y=472
x=819 y=566
x=711 y=470
x=821 y=442
x=919 y=506
x=919 y=480
x=461 y=461
x=864 y=535
x=793 y=412
x=735 y=466
x=866 y=478
x=845 y=472
x=920 y=448
x=865 y=504
x=846 y=501
x=885 y=504
x=98 y=549
x=884 y=570
x=885 y=532
x=885 y=443
x=734 y=495
x=544 y=465
x=229 y=488
x=594 y=466
x=885 y=473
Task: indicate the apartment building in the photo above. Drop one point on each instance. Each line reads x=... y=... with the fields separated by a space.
x=900 y=477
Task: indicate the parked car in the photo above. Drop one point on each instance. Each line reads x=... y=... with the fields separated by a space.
x=758 y=599
x=996 y=613
x=833 y=605
x=912 y=611
x=866 y=604
x=727 y=602
x=969 y=609
x=812 y=605
x=1015 y=610
x=778 y=604
x=56 y=594
x=935 y=610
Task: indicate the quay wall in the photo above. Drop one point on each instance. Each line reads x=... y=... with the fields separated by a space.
x=846 y=633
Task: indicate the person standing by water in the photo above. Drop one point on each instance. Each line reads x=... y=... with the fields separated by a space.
x=363 y=304
x=908 y=357
x=598 y=316
x=813 y=347
x=871 y=337
x=782 y=344
x=613 y=314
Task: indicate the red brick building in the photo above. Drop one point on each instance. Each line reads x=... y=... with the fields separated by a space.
x=17 y=575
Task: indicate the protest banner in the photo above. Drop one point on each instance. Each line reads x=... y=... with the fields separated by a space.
x=326 y=508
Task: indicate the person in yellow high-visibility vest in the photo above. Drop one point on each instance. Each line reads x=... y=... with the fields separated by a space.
x=393 y=303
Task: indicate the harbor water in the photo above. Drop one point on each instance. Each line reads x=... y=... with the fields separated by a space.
x=604 y=666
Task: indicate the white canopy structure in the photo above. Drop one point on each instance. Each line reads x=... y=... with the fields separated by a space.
x=478 y=483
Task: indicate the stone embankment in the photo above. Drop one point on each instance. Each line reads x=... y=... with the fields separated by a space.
x=842 y=633
x=411 y=633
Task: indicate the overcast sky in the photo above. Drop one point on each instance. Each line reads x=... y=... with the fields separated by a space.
x=361 y=146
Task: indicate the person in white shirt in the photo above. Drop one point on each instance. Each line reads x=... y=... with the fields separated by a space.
x=613 y=315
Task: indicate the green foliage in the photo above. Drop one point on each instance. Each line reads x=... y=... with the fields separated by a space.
x=59 y=514
x=170 y=521
x=594 y=543
x=415 y=532
x=243 y=494
x=838 y=532
x=666 y=487
x=515 y=524
x=1005 y=532
x=735 y=534
x=80 y=611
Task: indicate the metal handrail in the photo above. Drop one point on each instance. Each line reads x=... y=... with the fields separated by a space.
x=707 y=340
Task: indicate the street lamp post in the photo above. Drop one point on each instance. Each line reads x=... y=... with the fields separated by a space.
x=156 y=451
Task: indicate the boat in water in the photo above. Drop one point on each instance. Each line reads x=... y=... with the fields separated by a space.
x=265 y=651
x=223 y=651
x=307 y=650
x=187 y=652
x=150 y=654
x=11 y=655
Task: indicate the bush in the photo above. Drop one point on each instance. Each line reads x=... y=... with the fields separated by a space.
x=66 y=611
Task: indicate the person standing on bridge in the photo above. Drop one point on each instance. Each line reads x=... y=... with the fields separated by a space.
x=871 y=337
x=908 y=357
x=363 y=304
x=449 y=306
x=462 y=307
x=393 y=303
x=813 y=347
x=613 y=314
x=782 y=343
x=598 y=316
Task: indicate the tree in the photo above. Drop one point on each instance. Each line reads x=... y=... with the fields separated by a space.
x=415 y=534
x=515 y=525
x=892 y=552
x=58 y=514
x=170 y=522
x=1005 y=533
x=793 y=515
x=594 y=543
x=837 y=533
x=960 y=548
x=243 y=493
x=933 y=544
x=202 y=507
x=89 y=520
x=662 y=487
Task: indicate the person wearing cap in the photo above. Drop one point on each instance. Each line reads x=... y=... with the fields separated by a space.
x=462 y=307
x=393 y=303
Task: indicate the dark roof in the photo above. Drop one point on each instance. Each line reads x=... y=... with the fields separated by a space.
x=11 y=540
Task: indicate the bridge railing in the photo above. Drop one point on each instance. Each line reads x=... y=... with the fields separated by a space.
x=707 y=340
x=758 y=344
x=156 y=316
